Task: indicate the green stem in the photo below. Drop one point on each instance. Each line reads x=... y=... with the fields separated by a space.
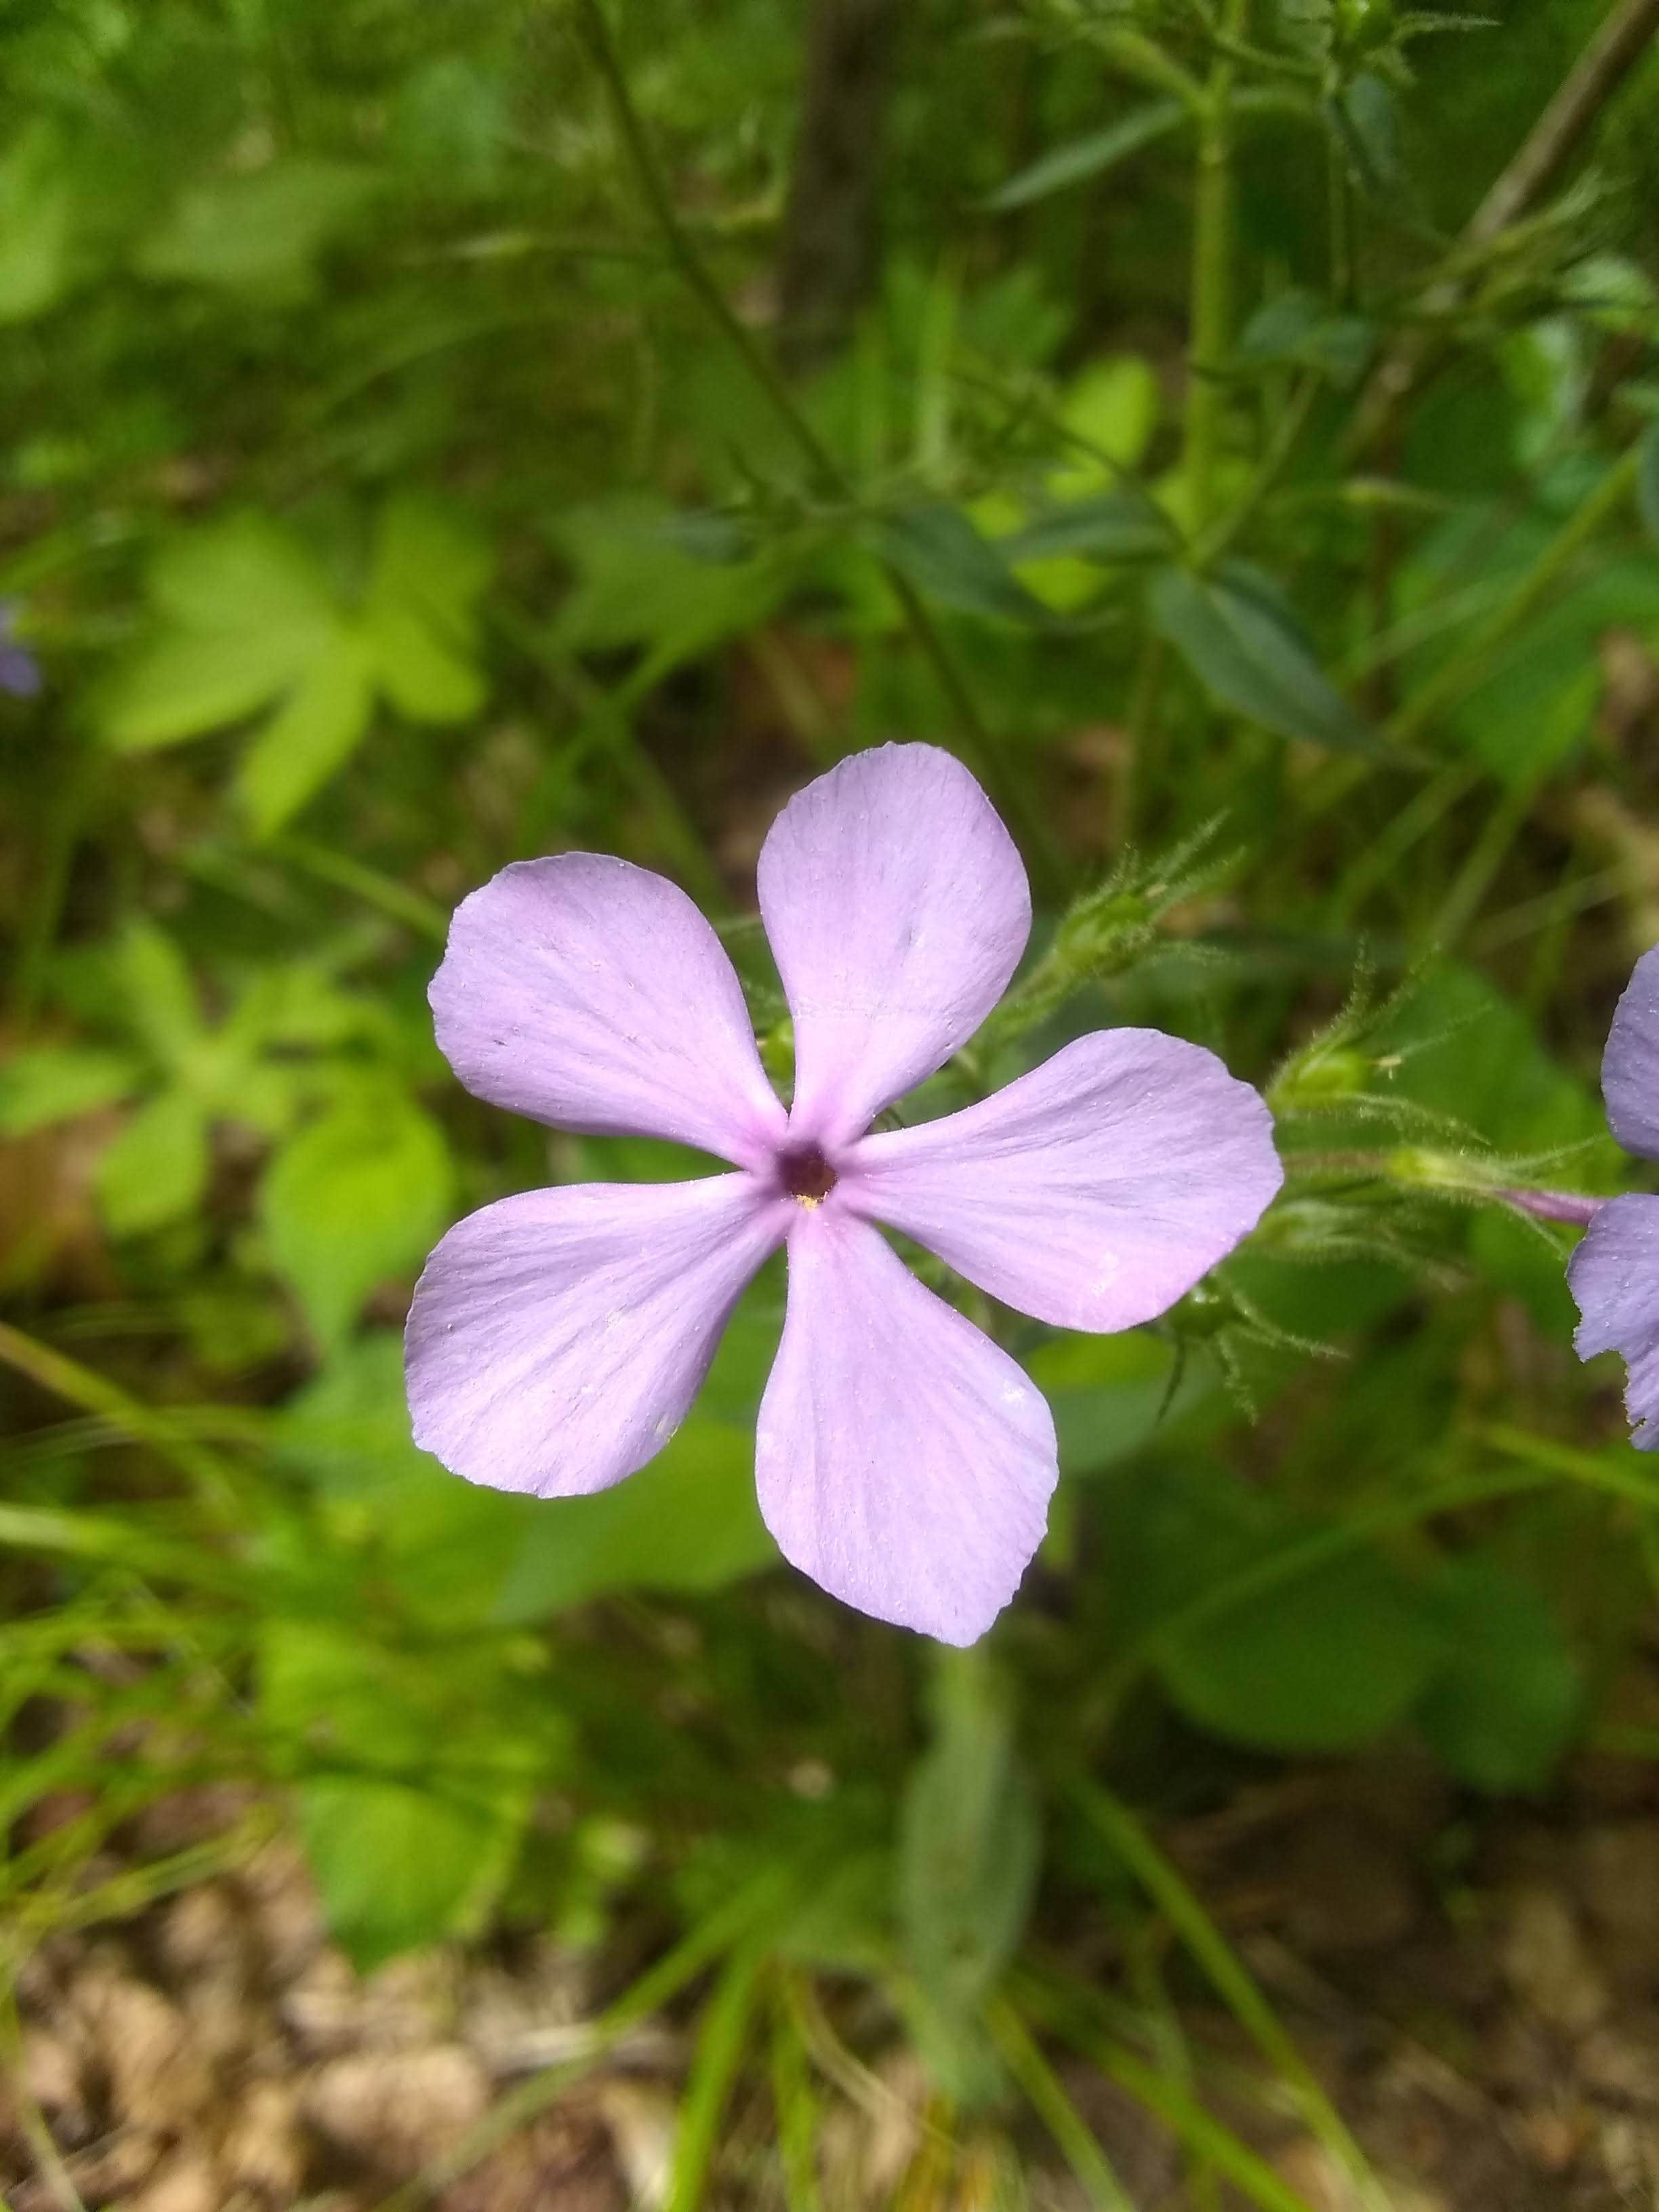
x=1212 y=309
x=1457 y=676
x=979 y=743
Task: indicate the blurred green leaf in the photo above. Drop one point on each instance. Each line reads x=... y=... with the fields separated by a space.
x=155 y=1170
x=55 y=1083
x=158 y=991
x=941 y=552
x=317 y=727
x=1114 y=526
x=1324 y=1661
x=249 y=624
x=260 y=233
x=1500 y=1712
x=1109 y=1394
x=637 y=584
x=969 y=1848
x=429 y=570
x=415 y=1783
x=357 y=1198
x=687 y=1522
x=37 y=222
x=1250 y=658
x=398 y=1867
x=247 y=611
x=1252 y=1640
x=1079 y=158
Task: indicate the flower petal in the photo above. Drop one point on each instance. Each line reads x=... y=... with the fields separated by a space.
x=904 y=1462
x=1630 y=1067
x=557 y=1339
x=1614 y=1276
x=586 y=992
x=897 y=909
x=1092 y=1192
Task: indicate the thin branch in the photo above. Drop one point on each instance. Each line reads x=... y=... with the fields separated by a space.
x=1551 y=144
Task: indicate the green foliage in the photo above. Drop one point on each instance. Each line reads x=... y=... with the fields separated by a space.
x=247 y=621
x=383 y=505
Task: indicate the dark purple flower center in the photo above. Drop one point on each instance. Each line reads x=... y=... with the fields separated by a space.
x=805 y=1174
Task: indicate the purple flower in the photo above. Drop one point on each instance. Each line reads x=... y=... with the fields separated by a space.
x=20 y=672
x=1614 y=1273
x=904 y=1462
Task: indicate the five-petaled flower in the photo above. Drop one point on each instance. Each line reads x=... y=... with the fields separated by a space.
x=904 y=1462
x=1614 y=1274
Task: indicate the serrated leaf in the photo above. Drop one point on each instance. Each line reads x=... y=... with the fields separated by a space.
x=1250 y=659
x=939 y=548
x=1500 y=1712
x=1079 y=158
x=356 y=1198
x=56 y=1083
x=315 y=730
x=156 y=1171
x=430 y=568
x=260 y=233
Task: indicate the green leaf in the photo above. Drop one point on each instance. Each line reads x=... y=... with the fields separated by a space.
x=357 y=1198
x=1299 y=327
x=1109 y=1394
x=430 y=568
x=1117 y=526
x=637 y=586
x=260 y=233
x=56 y=1083
x=156 y=1171
x=247 y=612
x=417 y=1771
x=398 y=1868
x=1324 y=1661
x=687 y=1522
x=315 y=730
x=1079 y=158
x=37 y=223
x=939 y=548
x=968 y=1849
x=1501 y=1711
x=1250 y=658
x=158 y=991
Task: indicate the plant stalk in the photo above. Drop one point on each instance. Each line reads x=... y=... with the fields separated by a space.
x=1210 y=339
